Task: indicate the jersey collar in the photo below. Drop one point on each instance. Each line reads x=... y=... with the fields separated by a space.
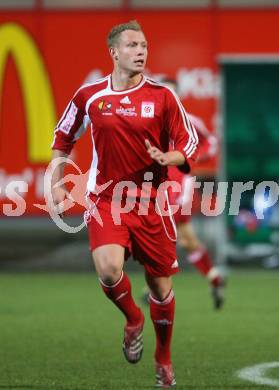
x=125 y=91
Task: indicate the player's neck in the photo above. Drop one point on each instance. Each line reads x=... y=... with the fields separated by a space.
x=121 y=81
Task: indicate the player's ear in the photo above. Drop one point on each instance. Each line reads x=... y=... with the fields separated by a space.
x=113 y=53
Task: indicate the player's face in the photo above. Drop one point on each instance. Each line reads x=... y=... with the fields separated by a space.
x=132 y=51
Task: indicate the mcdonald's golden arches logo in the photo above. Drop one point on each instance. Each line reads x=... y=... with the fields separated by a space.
x=36 y=87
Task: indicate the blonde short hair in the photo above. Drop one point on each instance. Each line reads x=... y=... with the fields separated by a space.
x=113 y=35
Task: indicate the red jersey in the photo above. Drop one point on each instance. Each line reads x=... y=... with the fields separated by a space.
x=120 y=122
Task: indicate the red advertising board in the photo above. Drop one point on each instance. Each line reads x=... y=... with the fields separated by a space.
x=46 y=56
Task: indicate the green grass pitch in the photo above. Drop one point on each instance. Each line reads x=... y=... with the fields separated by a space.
x=58 y=331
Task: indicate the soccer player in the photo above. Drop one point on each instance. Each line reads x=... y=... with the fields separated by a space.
x=132 y=120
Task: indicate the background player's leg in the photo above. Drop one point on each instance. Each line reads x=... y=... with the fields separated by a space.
x=109 y=260
x=197 y=253
x=200 y=258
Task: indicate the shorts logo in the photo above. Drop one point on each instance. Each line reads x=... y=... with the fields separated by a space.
x=147 y=109
x=174 y=264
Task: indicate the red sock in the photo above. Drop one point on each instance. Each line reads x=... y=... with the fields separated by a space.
x=200 y=259
x=162 y=315
x=120 y=294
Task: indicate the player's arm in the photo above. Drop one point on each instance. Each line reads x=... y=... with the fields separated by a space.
x=58 y=190
x=183 y=135
x=173 y=157
x=70 y=127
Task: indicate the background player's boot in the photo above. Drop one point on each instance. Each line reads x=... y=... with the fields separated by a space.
x=133 y=341
x=164 y=375
x=217 y=291
x=217 y=284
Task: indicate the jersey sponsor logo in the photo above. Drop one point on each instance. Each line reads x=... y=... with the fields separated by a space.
x=105 y=107
x=147 y=109
x=125 y=100
x=131 y=111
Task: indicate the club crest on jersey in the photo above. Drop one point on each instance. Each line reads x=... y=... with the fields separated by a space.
x=105 y=107
x=147 y=109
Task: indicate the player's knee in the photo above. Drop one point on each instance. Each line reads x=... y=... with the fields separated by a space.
x=110 y=279
x=189 y=243
x=182 y=242
x=109 y=275
x=160 y=288
x=160 y=294
x=108 y=269
x=193 y=245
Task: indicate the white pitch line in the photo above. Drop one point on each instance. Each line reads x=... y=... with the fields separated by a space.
x=256 y=374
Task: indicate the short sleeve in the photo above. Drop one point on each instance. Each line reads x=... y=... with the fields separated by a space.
x=72 y=124
x=181 y=131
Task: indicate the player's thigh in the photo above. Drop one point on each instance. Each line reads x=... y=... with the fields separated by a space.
x=109 y=260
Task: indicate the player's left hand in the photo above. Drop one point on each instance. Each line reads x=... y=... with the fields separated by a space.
x=156 y=154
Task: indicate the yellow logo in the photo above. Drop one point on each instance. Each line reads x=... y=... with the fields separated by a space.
x=36 y=87
x=104 y=106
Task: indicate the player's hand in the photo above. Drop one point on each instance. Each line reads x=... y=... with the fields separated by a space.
x=156 y=154
x=60 y=196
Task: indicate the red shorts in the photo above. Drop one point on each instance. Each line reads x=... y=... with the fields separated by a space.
x=149 y=238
